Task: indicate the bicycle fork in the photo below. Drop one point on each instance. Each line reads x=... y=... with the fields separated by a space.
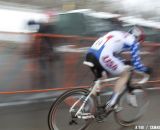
x=79 y=113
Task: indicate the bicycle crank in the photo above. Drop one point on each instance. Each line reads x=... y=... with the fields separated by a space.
x=85 y=116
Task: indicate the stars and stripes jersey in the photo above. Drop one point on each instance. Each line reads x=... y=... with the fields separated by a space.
x=116 y=42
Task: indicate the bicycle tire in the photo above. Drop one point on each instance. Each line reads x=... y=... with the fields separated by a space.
x=57 y=104
x=137 y=115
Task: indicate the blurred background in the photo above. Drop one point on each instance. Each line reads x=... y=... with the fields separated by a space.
x=43 y=43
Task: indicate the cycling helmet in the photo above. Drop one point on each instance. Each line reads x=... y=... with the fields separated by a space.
x=138 y=33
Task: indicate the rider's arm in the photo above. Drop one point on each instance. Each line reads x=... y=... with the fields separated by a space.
x=136 y=59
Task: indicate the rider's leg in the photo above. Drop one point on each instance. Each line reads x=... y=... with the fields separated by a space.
x=120 y=85
x=122 y=70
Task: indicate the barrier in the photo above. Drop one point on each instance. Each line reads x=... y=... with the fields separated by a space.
x=72 y=70
x=54 y=89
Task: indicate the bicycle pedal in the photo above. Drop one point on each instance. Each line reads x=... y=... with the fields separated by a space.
x=85 y=116
x=100 y=119
x=118 y=108
x=73 y=122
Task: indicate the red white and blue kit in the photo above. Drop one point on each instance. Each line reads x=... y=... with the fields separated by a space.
x=115 y=42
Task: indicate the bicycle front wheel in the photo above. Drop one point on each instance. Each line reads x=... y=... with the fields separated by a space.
x=126 y=114
x=62 y=115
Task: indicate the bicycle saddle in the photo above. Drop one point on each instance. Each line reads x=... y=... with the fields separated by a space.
x=90 y=64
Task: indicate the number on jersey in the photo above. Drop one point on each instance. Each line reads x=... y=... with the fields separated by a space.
x=100 y=42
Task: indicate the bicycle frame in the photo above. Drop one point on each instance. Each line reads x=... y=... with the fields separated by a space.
x=94 y=91
x=87 y=105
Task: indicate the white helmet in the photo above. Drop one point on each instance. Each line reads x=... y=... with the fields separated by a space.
x=138 y=33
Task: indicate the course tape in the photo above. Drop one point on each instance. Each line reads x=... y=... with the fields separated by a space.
x=53 y=89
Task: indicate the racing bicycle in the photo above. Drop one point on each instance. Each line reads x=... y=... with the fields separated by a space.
x=76 y=108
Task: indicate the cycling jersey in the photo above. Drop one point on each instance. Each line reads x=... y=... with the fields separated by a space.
x=113 y=43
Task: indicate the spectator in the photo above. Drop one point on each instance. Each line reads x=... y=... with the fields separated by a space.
x=43 y=52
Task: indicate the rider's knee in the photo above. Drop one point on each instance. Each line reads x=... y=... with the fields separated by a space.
x=127 y=70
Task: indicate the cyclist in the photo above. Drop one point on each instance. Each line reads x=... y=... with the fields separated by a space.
x=103 y=53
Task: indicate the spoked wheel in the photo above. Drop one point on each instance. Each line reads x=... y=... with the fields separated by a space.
x=62 y=115
x=126 y=114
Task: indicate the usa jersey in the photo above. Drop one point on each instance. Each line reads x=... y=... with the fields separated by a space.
x=116 y=42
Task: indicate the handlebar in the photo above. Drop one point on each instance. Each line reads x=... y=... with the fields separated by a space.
x=144 y=79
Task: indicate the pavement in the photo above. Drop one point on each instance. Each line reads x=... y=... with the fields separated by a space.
x=33 y=116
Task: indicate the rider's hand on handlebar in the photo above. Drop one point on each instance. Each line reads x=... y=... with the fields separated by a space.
x=148 y=70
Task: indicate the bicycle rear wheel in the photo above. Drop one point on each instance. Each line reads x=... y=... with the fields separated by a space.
x=127 y=115
x=61 y=117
